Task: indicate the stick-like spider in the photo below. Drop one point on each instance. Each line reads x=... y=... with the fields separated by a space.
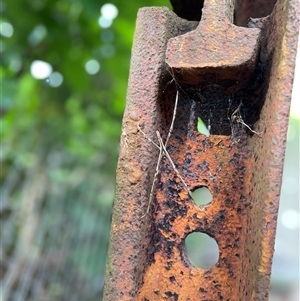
x=163 y=152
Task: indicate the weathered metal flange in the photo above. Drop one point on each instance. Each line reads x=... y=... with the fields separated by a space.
x=214 y=48
x=224 y=167
x=147 y=258
x=243 y=10
x=131 y=234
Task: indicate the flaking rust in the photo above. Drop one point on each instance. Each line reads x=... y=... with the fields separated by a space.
x=245 y=101
x=223 y=165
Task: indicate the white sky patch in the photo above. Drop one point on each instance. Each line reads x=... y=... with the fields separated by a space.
x=290 y=219
x=290 y=185
x=40 y=69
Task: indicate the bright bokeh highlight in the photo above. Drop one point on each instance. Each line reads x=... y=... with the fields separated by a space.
x=37 y=35
x=40 y=69
x=92 y=67
x=6 y=29
x=55 y=79
x=104 y=22
x=109 y=11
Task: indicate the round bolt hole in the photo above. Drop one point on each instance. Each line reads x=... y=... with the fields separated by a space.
x=202 y=250
x=202 y=195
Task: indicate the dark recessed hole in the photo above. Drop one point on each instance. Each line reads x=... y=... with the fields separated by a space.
x=202 y=250
x=243 y=10
x=202 y=195
x=219 y=104
x=190 y=10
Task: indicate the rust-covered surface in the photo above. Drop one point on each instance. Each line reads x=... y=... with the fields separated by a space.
x=217 y=51
x=192 y=9
x=242 y=169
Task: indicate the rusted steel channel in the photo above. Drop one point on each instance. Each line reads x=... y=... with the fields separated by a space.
x=231 y=77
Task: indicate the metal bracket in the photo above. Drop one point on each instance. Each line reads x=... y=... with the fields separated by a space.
x=218 y=70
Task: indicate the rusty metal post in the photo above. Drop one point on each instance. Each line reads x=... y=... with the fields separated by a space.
x=236 y=79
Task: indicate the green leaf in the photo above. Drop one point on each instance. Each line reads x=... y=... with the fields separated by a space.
x=202 y=128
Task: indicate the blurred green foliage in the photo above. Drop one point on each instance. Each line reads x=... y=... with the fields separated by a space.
x=60 y=144
x=82 y=116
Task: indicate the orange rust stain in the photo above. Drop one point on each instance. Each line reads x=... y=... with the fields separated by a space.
x=134 y=173
x=171 y=274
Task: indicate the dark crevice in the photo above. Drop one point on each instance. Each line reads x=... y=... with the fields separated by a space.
x=243 y=10
x=190 y=10
x=215 y=105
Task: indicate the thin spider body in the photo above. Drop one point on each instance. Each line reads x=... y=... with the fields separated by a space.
x=163 y=151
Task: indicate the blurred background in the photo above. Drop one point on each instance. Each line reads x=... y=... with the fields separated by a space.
x=64 y=71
